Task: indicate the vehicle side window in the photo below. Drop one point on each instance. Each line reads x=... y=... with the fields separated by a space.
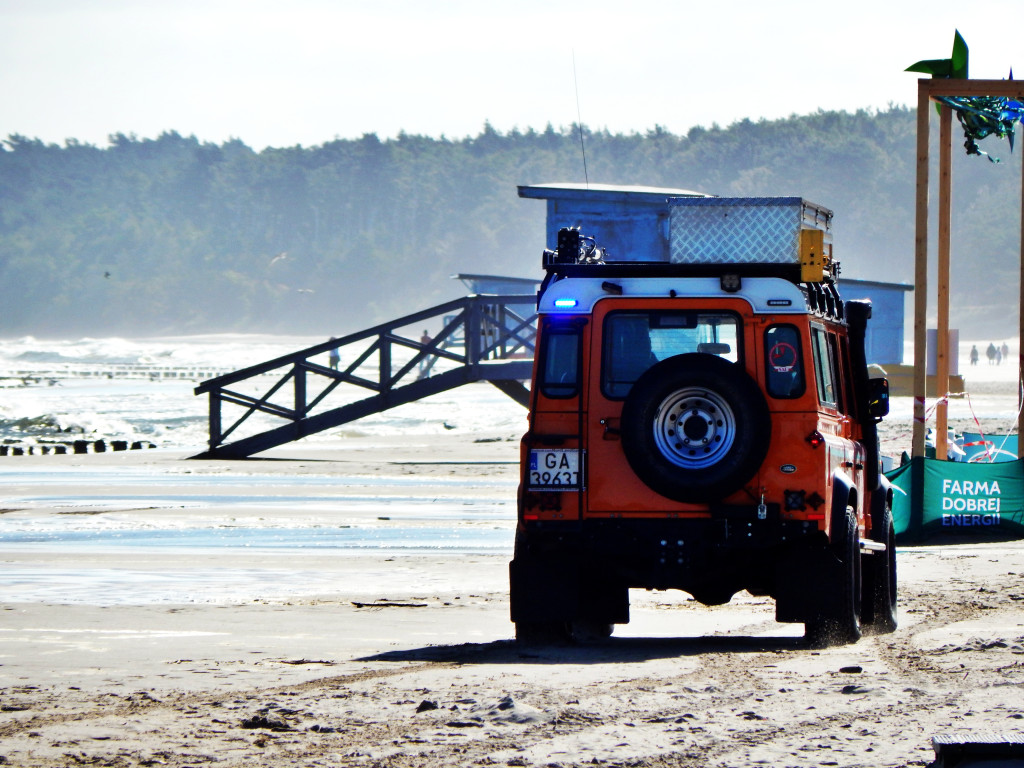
x=841 y=354
x=784 y=365
x=560 y=363
x=824 y=369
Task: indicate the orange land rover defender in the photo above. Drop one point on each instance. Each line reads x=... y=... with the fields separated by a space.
x=704 y=424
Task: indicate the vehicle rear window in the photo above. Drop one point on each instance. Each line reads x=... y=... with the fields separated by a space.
x=784 y=365
x=560 y=363
x=634 y=341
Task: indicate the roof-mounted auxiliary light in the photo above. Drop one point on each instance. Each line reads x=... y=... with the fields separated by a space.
x=568 y=245
x=566 y=303
x=613 y=288
x=731 y=282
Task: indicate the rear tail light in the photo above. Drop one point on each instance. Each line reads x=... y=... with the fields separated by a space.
x=815 y=439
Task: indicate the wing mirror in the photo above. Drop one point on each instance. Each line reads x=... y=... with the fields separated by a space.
x=878 y=398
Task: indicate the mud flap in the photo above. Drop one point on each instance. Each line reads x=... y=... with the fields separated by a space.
x=604 y=603
x=802 y=580
x=544 y=592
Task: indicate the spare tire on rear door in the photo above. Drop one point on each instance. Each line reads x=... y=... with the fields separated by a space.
x=695 y=427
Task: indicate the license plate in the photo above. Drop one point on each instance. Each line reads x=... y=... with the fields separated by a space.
x=555 y=469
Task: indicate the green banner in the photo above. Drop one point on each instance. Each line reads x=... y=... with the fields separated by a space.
x=931 y=497
x=990 y=449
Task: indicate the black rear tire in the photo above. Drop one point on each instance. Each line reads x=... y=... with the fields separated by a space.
x=584 y=631
x=838 y=622
x=542 y=633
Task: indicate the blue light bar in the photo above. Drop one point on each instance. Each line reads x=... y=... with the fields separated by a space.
x=565 y=303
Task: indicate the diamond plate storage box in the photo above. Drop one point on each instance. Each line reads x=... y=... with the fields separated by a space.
x=743 y=230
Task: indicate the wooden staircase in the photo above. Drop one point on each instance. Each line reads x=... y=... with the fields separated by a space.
x=483 y=338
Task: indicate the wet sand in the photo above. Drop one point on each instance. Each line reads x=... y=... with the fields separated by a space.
x=385 y=659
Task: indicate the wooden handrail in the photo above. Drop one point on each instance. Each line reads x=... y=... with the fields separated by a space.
x=493 y=331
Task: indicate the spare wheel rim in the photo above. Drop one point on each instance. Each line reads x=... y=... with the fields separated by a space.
x=694 y=428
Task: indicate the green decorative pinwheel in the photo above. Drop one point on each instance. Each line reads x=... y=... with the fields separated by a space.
x=955 y=67
x=980 y=116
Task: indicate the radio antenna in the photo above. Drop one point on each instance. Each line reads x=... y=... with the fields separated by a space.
x=579 y=119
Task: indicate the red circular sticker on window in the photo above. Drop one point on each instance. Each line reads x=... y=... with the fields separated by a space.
x=782 y=357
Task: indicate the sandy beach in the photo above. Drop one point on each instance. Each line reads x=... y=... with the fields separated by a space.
x=125 y=655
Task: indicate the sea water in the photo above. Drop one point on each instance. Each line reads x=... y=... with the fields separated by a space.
x=142 y=390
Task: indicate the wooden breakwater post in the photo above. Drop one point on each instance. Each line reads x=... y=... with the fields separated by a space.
x=76 y=447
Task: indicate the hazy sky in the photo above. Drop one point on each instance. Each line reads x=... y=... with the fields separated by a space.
x=307 y=71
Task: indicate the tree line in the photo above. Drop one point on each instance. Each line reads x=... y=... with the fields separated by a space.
x=177 y=235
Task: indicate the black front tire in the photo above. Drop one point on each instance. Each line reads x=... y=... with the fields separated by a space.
x=880 y=580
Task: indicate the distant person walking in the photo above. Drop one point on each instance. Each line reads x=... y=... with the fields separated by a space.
x=426 y=361
x=333 y=357
x=974 y=354
x=1006 y=351
x=990 y=353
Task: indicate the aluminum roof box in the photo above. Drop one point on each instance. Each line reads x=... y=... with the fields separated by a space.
x=744 y=230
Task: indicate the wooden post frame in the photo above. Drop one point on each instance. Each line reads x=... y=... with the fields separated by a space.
x=927 y=90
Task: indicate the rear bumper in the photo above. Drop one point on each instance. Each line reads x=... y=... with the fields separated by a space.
x=711 y=558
